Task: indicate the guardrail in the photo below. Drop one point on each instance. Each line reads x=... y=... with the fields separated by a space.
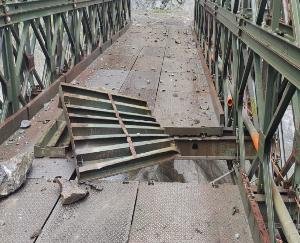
x=253 y=53
x=41 y=40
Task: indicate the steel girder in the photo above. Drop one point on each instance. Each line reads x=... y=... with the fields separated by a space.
x=40 y=40
x=253 y=53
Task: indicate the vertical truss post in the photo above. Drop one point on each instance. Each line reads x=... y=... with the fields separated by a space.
x=296 y=109
x=13 y=87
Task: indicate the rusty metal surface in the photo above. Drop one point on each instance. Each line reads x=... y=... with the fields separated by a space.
x=143 y=85
x=120 y=62
x=181 y=64
x=105 y=216
x=54 y=141
x=255 y=218
x=181 y=212
x=148 y=63
x=102 y=78
x=23 y=140
x=187 y=107
x=212 y=148
x=111 y=134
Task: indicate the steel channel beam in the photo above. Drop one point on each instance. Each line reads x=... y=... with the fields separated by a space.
x=22 y=11
x=212 y=148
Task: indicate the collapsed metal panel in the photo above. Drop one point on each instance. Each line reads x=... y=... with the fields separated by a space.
x=111 y=134
x=54 y=141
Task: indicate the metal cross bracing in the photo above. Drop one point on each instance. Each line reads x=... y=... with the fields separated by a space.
x=252 y=50
x=40 y=40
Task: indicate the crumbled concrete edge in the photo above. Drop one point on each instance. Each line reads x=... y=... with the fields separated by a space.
x=13 y=173
x=71 y=192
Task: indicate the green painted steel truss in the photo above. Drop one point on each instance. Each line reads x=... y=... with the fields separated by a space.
x=40 y=40
x=252 y=49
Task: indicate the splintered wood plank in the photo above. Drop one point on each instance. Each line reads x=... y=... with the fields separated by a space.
x=143 y=85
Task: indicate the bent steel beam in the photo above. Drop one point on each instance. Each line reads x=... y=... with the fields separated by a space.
x=112 y=134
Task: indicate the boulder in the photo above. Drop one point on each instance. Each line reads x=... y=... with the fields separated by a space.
x=13 y=173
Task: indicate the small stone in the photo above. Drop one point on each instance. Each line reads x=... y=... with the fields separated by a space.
x=198 y=231
x=196 y=121
x=148 y=81
x=237 y=236
x=163 y=90
x=235 y=210
x=25 y=124
x=94 y=185
x=70 y=191
x=35 y=234
x=2 y=223
x=177 y=42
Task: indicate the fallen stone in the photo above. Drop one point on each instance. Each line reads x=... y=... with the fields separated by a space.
x=177 y=42
x=2 y=222
x=25 y=124
x=71 y=192
x=94 y=185
x=13 y=173
x=36 y=234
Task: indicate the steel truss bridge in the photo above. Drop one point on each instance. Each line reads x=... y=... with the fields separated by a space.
x=251 y=53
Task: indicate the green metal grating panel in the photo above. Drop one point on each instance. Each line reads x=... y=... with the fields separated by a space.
x=111 y=134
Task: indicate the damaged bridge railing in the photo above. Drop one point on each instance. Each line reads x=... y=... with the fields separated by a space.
x=252 y=50
x=40 y=40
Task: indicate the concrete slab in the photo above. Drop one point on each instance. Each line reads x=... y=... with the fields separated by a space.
x=104 y=216
x=25 y=211
x=47 y=168
x=177 y=212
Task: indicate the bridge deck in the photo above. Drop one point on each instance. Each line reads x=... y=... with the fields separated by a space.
x=134 y=212
x=155 y=60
